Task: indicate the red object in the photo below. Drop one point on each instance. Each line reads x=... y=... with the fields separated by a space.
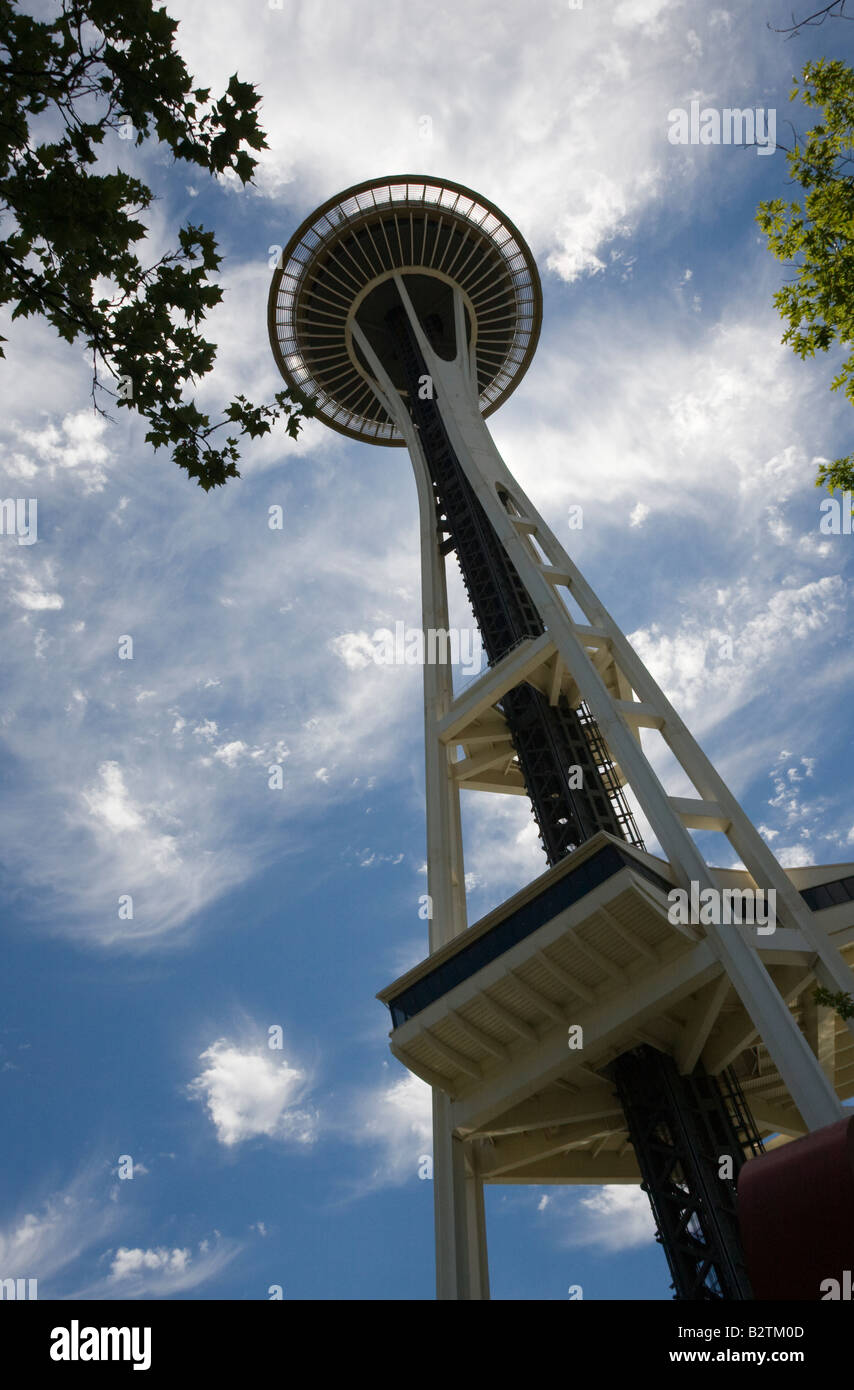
x=796 y=1212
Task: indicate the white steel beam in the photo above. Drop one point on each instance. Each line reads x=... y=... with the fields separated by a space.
x=520 y=664
x=700 y=1024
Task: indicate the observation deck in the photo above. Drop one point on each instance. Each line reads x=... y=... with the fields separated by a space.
x=340 y=263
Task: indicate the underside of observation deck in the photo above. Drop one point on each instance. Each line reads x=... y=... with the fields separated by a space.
x=588 y=944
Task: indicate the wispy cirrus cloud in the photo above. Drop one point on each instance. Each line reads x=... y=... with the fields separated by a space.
x=63 y=1240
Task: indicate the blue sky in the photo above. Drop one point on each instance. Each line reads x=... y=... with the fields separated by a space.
x=660 y=399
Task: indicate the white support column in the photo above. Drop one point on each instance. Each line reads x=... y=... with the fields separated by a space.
x=445 y=872
x=485 y=470
x=478 y=1254
x=462 y=1271
x=460 y=1230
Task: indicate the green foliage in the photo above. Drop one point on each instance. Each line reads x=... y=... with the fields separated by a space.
x=816 y=236
x=69 y=234
x=842 y=1003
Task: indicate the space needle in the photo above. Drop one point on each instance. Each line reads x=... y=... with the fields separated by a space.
x=581 y=1032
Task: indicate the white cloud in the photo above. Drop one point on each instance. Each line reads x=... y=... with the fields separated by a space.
x=355 y=649
x=615 y=1218
x=252 y=1092
x=30 y=595
x=75 y=446
x=610 y=1219
x=691 y=664
x=231 y=753
x=599 y=217
x=503 y=849
x=643 y=14
x=127 y=1262
x=110 y=802
x=575 y=148
x=148 y=1272
x=794 y=856
x=396 y=1121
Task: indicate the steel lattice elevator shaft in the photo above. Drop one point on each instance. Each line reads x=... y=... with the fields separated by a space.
x=690 y=1136
x=549 y=740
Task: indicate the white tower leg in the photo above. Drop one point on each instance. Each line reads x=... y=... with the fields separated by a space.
x=462 y=1270
x=462 y=1267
